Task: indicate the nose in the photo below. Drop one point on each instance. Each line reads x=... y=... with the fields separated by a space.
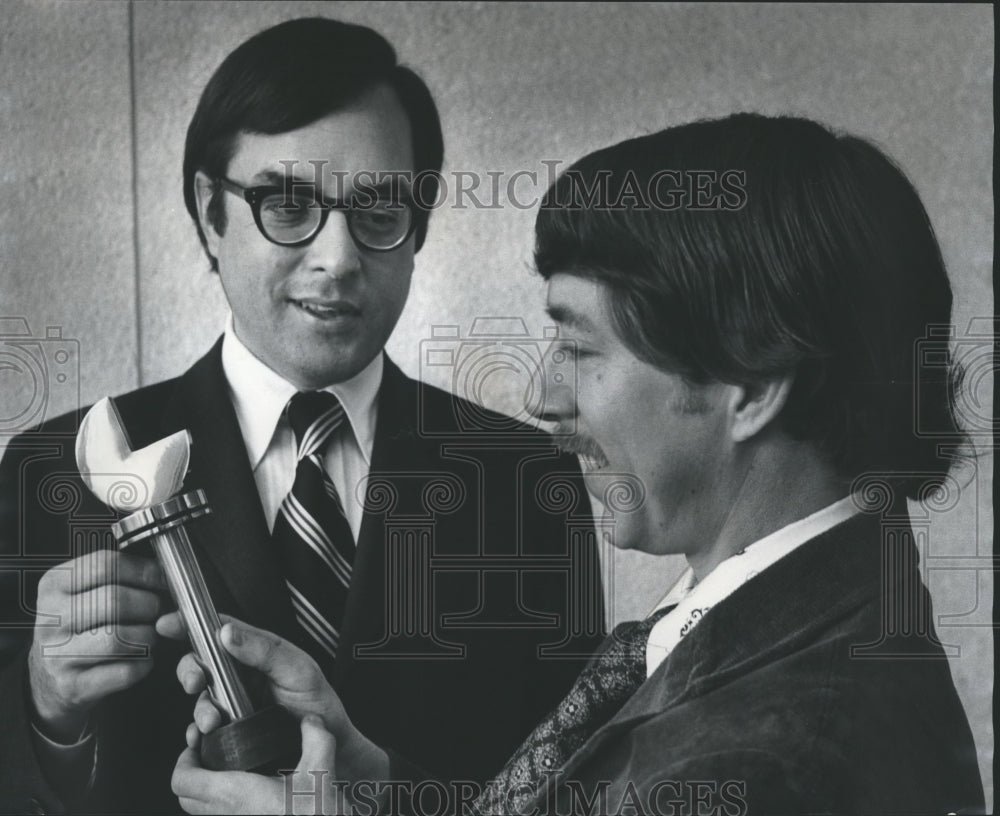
x=554 y=400
x=333 y=250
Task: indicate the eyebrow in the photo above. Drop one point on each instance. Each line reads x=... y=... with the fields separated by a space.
x=567 y=317
x=278 y=179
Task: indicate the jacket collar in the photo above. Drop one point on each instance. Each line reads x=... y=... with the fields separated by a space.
x=235 y=538
x=397 y=446
x=788 y=605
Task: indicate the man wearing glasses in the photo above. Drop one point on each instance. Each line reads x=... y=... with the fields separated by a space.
x=299 y=173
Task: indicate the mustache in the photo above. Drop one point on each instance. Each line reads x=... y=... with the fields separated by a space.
x=569 y=442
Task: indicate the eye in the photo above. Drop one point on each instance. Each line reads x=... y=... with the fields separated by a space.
x=569 y=350
x=383 y=217
x=561 y=352
x=286 y=209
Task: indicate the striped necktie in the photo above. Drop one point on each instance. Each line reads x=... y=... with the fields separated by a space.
x=603 y=687
x=312 y=530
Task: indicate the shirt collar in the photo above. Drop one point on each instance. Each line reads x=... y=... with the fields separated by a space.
x=692 y=600
x=785 y=539
x=260 y=395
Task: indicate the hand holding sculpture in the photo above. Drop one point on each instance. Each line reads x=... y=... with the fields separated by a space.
x=94 y=628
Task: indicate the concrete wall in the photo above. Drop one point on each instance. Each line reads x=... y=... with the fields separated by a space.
x=95 y=242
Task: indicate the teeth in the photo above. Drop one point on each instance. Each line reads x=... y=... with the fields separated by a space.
x=315 y=308
x=589 y=462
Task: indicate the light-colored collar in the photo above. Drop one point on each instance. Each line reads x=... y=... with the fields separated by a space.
x=783 y=540
x=260 y=394
x=693 y=599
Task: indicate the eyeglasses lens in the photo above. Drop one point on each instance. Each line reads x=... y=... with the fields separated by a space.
x=289 y=219
x=382 y=226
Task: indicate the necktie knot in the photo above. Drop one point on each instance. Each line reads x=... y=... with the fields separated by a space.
x=633 y=635
x=626 y=654
x=314 y=416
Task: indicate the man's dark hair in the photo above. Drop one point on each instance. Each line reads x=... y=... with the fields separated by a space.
x=291 y=75
x=825 y=266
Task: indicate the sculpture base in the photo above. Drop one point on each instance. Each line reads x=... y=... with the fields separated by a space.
x=267 y=741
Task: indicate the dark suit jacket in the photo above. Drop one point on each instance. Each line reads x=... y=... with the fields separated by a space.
x=817 y=687
x=455 y=687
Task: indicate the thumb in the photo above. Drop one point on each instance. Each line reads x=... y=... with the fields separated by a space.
x=319 y=750
x=282 y=662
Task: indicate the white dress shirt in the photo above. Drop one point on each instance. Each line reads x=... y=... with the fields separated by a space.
x=694 y=598
x=260 y=395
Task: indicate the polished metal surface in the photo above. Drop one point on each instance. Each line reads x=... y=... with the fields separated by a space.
x=163 y=526
x=153 y=520
x=173 y=548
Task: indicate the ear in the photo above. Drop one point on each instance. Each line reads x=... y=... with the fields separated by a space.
x=204 y=189
x=755 y=405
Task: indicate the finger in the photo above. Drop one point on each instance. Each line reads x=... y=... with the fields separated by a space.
x=106 y=678
x=113 y=603
x=141 y=571
x=189 y=778
x=104 y=644
x=193 y=806
x=204 y=791
x=191 y=675
x=104 y=567
x=192 y=736
x=319 y=748
x=206 y=715
x=172 y=626
x=128 y=638
x=105 y=606
x=136 y=605
x=284 y=663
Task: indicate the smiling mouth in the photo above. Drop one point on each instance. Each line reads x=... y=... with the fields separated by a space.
x=327 y=311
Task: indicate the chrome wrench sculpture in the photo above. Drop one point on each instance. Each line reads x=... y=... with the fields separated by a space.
x=251 y=739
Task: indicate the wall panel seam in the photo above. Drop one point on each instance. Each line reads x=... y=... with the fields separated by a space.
x=134 y=142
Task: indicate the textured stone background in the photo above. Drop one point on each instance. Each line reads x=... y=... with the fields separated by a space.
x=95 y=241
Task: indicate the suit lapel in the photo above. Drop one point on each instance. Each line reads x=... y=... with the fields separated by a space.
x=234 y=538
x=395 y=448
x=789 y=604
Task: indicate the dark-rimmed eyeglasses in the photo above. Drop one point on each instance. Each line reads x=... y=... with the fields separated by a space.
x=292 y=217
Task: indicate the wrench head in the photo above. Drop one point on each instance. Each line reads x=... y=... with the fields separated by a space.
x=124 y=479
